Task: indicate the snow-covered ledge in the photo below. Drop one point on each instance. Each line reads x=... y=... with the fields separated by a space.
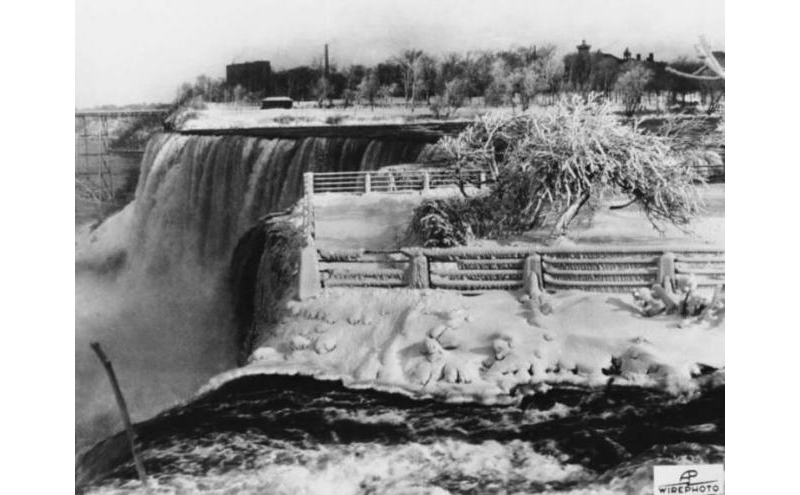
x=442 y=343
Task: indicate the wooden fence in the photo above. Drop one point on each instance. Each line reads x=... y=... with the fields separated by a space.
x=596 y=269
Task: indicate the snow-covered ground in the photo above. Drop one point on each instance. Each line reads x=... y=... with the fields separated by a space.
x=367 y=221
x=443 y=343
x=227 y=116
x=437 y=342
x=308 y=113
x=380 y=221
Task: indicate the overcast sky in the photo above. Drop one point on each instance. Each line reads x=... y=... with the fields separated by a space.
x=132 y=51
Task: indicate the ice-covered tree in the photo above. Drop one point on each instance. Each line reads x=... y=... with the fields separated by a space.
x=547 y=166
x=408 y=60
x=369 y=88
x=631 y=85
x=710 y=63
x=323 y=90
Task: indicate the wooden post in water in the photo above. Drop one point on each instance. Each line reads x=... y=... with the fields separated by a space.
x=123 y=409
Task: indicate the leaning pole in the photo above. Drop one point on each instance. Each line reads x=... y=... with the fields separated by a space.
x=137 y=460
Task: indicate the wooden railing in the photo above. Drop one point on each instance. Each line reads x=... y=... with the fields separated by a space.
x=596 y=269
x=392 y=181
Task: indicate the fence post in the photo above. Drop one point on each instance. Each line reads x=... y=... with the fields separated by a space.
x=308 y=200
x=532 y=275
x=392 y=185
x=418 y=273
x=426 y=182
x=367 y=183
x=482 y=180
x=309 y=283
x=666 y=270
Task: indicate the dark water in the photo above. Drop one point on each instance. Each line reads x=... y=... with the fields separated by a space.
x=279 y=434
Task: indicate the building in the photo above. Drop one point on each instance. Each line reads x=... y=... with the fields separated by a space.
x=255 y=77
x=598 y=71
x=276 y=102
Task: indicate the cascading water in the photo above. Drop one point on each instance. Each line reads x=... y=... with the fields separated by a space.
x=166 y=318
x=198 y=194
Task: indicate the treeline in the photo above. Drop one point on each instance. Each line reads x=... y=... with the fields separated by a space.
x=508 y=77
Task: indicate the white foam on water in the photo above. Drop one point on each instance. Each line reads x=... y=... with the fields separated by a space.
x=411 y=468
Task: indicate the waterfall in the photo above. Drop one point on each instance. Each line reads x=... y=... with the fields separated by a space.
x=198 y=194
x=151 y=284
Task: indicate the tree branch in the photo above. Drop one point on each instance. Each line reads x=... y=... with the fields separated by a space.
x=692 y=76
x=619 y=207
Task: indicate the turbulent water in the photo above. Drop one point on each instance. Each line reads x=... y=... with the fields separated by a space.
x=279 y=434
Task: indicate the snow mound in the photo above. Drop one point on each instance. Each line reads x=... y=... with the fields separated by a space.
x=447 y=345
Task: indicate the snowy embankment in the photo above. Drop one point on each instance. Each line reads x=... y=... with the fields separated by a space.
x=368 y=221
x=443 y=343
x=234 y=116
x=455 y=347
x=380 y=221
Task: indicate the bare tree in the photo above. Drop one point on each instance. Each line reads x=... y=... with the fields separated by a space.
x=521 y=74
x=369 y=88
x=323 y=90
x=408 y=61
x=452 y=98
x=425 y=77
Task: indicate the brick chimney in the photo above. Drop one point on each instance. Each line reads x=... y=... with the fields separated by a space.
x=327 y=65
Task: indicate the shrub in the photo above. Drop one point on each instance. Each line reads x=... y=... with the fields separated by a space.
x=439 y=223
x=456 y=221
